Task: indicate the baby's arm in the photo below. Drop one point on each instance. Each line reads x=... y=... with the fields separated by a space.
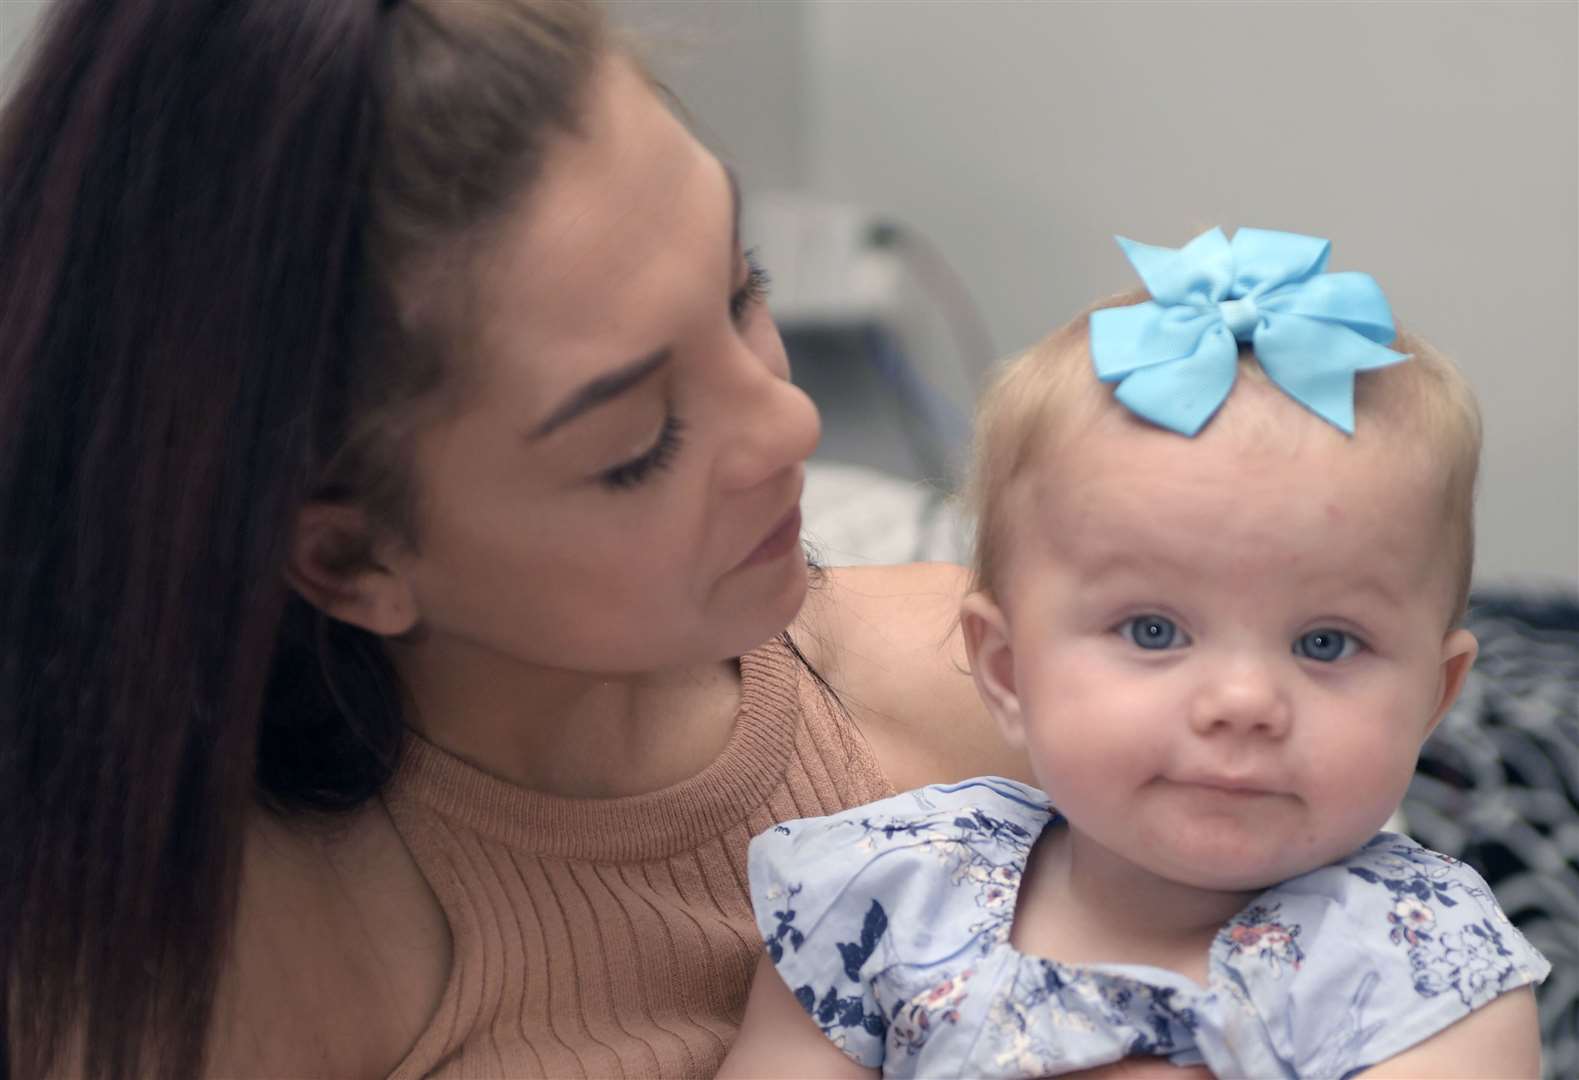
x=778 y=1039
x=1501 y=1039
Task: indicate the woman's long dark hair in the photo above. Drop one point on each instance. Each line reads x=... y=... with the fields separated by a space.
x=206 y=209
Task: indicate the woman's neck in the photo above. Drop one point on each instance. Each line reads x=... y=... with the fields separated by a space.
x=569 y=733
x=1083 y=904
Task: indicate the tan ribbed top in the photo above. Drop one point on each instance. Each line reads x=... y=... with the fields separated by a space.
x=606 y=938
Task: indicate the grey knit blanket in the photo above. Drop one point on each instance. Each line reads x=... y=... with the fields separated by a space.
x=1498 y=786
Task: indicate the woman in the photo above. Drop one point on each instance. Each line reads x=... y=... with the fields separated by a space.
x=399 y=476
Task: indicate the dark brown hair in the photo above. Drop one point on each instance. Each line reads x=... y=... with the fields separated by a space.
x=213 y=215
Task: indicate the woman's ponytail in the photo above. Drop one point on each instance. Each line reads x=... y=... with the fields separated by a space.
x=180 y=248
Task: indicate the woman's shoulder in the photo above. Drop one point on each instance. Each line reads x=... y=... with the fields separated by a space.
x=859 y=604
x=340 y=952
x=888 y=639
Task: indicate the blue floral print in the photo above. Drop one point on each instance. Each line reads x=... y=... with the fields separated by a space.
x=1470 y=958
x=890 y=923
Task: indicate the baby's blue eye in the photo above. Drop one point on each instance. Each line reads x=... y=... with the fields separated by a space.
x=1326 y=645
x=1151 y=631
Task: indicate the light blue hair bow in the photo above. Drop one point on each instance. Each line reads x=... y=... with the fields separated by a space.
x=1175 y=356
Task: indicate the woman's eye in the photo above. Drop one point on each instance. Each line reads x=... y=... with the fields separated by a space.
x=1152 y=632
x=631 y=473
x=752 y=292
x=1326 y=645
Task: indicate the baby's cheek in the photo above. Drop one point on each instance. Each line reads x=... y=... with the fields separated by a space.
x=1356 y=799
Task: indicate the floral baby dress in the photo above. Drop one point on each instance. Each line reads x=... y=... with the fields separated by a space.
x=890 y=923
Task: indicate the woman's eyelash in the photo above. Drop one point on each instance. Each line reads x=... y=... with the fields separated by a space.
x=631 y=473
x=753 y=292
x=628 y=474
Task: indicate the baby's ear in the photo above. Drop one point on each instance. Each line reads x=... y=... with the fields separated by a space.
x=1458 y=654
x=333 y=564
x=991 y=653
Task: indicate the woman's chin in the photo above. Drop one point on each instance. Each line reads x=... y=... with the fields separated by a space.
x=769 y=609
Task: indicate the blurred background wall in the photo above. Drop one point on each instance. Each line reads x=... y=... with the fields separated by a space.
x=1436 y=144
x=16 y=21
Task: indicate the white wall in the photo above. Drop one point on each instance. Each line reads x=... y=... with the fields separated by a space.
x=737 y=70
x=17 y=19
x=1436 y=144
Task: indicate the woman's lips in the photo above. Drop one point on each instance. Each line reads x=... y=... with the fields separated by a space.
x=784 y=538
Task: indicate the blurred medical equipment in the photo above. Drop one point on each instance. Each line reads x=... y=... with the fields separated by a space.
x=880 y=329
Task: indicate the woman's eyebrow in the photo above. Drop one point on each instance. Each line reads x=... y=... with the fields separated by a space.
x=605 y=387
x=599 y=390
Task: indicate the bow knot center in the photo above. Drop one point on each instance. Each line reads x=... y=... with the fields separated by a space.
x=1240 y=316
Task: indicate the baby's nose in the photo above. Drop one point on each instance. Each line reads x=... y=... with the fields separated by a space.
x=1244 y=697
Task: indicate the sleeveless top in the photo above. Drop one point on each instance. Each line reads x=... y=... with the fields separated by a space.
x=890 y=923
x=614 y=937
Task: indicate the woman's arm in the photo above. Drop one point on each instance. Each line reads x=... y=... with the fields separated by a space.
x=1501 y=1040
x=888 y=639
x=778 y=1040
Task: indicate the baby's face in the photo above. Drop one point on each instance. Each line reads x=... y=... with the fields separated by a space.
x=1227 y=650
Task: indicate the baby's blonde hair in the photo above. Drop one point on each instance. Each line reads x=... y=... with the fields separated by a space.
x=1050 y=394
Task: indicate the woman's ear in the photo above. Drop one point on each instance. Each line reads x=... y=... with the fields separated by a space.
x=991 y=653
x=1459 y=649
x=333 y=564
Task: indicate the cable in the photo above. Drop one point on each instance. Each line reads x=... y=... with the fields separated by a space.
x=943 y=283
x=932 y=425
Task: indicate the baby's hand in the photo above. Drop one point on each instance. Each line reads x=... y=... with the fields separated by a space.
x=1149 y=1067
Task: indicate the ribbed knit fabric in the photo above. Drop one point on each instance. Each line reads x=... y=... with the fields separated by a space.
x=608 y=938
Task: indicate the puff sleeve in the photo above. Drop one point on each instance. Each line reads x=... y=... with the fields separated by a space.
x=843 y=901
x=1394 y=944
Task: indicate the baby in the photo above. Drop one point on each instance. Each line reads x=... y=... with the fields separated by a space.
x=1217 y=606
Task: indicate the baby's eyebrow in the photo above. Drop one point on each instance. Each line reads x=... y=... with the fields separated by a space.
x=1119 y=562
x=1376 y=587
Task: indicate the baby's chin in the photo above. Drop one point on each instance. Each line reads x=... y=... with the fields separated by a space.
x=1246 y=873
x=1245 y=842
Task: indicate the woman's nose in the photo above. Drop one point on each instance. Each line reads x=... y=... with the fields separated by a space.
x=1243 y=697
x=776 y=426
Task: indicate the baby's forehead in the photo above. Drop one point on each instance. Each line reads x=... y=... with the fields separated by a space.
x=1257 y=420
x=1273 y=477
x=1205 y=549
